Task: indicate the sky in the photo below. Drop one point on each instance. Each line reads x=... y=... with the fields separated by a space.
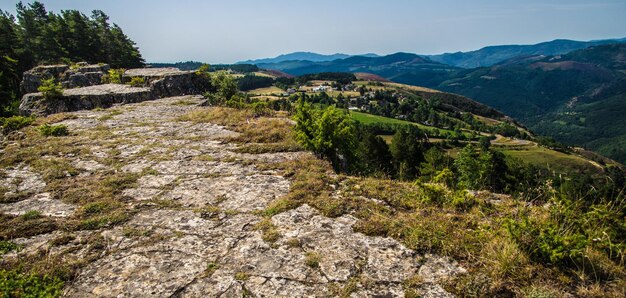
x=233 y=30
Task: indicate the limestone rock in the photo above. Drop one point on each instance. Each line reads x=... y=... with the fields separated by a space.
x=41 y=203
x=32 y=78
x=84 y=92
x=99 y=96
x=80 y=75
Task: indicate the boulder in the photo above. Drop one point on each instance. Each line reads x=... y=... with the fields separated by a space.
x=85 y=98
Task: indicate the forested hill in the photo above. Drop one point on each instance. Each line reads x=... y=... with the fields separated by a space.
x=36 y=36
x=492 y=55
x=578 y=98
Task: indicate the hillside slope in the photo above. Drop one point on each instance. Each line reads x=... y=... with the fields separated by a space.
x=576 y=98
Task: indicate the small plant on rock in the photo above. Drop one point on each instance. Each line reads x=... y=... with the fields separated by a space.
x=114 y=76
x=136 y=82
x=50 y=89
x=312 y=259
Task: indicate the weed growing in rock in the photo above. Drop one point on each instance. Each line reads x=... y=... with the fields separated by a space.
x=136 y=82
x=114 y=76
x=270 y=233
x=312 y=259
x=30 y=215
x=242 y=276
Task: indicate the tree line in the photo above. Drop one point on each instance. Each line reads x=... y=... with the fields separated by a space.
x=35 y=36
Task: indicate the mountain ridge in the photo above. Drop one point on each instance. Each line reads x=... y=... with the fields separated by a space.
x=303 y=56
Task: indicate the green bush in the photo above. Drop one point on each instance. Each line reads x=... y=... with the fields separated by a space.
x=15 y=123
x=7 y=246
x=17 y=284
x=50 y=89
x=329 y=133
x=548 y=240
x=136 y=82
x=30 y=215
x=114 y=76
x=53 y=130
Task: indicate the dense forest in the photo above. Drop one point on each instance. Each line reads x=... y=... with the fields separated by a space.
x=36 y=36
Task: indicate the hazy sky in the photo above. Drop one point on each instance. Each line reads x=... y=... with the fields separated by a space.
x=233 y=30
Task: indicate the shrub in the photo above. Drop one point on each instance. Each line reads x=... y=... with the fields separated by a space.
x=30 y=215
x=7 y=246
x=548 y=240
x=114 y=76
x=53 y=130
x=136 y=82
x=50 y=89
x=15 y=122
x=17 y=284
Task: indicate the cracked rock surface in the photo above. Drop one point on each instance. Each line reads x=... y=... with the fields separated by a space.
x=193 y=232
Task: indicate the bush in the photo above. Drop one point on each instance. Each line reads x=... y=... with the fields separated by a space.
x=136 y=82
x=30 y=215
x=329 y=133
x=7 y=246
x=53 y=130
x=50 y=89
x=17 y=284
x=114 y=76
x=14 y=123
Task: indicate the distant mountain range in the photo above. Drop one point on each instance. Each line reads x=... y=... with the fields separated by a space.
x=492 y=55
x=486 y=56
x=303 y=56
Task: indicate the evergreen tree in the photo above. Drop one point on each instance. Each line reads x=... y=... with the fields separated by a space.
x=374 y=154
x=407 y=148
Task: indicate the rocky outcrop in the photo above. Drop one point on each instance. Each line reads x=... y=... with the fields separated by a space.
x=170 y=81
x=84 y=92
x=86 y=98
x=32 y=78
x=78 y=75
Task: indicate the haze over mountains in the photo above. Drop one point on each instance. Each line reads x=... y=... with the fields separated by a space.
x=570 y=90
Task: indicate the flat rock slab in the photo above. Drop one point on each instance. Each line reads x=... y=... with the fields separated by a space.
x=195 y=229
x=154 y=72
x=21 y=180
x=105 y=89
x=41 y=203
